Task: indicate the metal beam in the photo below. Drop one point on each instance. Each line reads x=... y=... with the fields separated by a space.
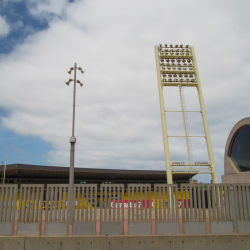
x=163 y=119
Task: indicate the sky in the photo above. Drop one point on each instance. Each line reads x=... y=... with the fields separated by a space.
x=118 y=123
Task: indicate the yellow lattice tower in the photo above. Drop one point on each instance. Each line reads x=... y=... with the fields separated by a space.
x=177 y=66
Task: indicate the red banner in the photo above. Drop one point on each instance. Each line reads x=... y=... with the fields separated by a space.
x=130 y=204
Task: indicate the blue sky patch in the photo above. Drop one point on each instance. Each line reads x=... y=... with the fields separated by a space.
x=21 y=22
x=3 y=112
x=22 y=149
x=16 y=148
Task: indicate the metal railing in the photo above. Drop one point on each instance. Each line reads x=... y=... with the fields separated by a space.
x=30 y=209
x=85 y=209
x=139 y=209
x=167 y=210
x=220 y=208
x=7 y=208
x=193 y=209
x=112 y=209
x=135 y=210
x=242 y=207
x=56 y=210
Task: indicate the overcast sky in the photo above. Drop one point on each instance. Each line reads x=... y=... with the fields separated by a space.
x=117 y=110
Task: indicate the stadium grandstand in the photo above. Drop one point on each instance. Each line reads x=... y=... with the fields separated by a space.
x=36 y=174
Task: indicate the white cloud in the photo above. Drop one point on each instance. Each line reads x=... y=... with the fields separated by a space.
x=44 y=9
x=4 y=27
x=117 y=114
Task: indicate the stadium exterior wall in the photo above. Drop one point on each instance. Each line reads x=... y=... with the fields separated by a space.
x=232 y=173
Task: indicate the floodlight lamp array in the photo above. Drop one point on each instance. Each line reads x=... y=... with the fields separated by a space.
x=176 y=64
x=173 y=46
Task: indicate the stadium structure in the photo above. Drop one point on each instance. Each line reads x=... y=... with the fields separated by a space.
x=35 y=174
x=176 y=66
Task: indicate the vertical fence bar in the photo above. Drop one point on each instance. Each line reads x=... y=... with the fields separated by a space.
x=248 y=201
x=9 y=206
x=118 y=204
x=91 y=203
x=1 y=202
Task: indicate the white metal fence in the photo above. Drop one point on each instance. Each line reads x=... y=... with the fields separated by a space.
x=56 y=210
x=193 y=209
x=115 y=210
x=242 y=207
x=112 y=209
x=7 y=209
x=85 y=213
x=30 y=209
x=220 y=208
x=166 y=209
x=139 y=209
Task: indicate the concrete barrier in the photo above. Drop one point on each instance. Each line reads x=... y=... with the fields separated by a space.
x=194 y=242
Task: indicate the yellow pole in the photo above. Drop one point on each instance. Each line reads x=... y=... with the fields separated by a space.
x=163 y=119
x=204 y=118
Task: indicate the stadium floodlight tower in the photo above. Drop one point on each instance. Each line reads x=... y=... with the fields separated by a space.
x=177 y=66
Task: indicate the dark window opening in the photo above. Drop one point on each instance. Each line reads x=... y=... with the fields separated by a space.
x=240 y=152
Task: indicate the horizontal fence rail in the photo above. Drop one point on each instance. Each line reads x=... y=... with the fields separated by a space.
x=116 y=209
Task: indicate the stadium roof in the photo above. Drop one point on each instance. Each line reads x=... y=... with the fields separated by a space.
x=52 y=172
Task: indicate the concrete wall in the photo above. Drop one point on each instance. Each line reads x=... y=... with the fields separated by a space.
x=241 y=177
x=232 y=173
x=208 y=242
